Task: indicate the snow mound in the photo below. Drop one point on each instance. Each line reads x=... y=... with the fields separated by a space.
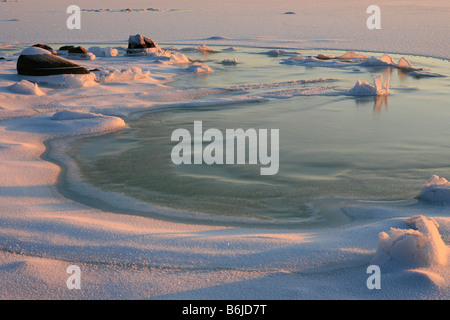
x=436 y=190
x=422 y=246
x=103 y=52
x=32 y=51
x=385 y=60
x=26 y=87
x=113 y=75
x=170 y=56
x=229 y=62
x=363 y=88
x=198 y=68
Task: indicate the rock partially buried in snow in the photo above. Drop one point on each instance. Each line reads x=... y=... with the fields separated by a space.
x=229 y=62
x=26 y=87
x=35 y=61
x=80 y=53
x=138 y=45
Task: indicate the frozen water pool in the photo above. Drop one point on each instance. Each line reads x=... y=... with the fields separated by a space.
x=333 y=149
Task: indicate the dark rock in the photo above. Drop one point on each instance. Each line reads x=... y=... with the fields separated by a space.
x=44 y=46
x=140 y=42
x=77 y=50
x=138 y=45
x=35 y=61
x=66 y=48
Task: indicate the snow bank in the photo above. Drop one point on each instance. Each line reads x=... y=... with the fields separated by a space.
x=26 y=87
x=421 y=246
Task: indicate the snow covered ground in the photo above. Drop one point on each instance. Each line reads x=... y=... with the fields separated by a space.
x=122 y=256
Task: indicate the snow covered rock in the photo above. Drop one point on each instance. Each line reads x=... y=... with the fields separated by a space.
x=138 y=45
x=80 y=53
x=229 y=62
x=35 y=61
x=46 y=47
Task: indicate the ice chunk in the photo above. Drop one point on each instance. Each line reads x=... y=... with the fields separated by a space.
x=385 y=60
x=404 y=64
x=363 y=88
x=381 y=88
x=113 y=75
x=421 y=246
x=103 y=52
x=352 y=55
x=436 y=189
